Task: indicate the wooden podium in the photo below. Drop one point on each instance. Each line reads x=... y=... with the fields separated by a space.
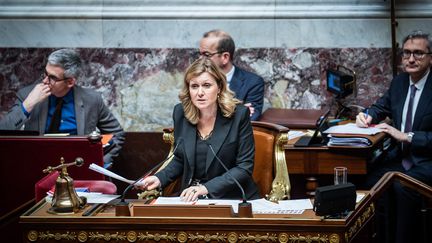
x=104 y=226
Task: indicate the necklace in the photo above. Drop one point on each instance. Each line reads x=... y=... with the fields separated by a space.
x=204 y=137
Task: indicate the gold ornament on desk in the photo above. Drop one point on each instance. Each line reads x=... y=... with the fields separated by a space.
x=65 y=199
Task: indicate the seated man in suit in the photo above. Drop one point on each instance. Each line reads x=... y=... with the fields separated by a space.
x=408 y=102
x=248 y=87
x=57 y=105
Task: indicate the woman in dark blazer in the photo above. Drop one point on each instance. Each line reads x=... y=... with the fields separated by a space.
x=208 y=122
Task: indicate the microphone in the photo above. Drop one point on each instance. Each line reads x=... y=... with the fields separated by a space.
x=122 y=207
x=244 y=208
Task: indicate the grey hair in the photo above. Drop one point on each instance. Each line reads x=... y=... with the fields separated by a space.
x=418 y=34
x=67 y=59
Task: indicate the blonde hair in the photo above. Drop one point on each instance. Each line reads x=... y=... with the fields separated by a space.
x=226 y=101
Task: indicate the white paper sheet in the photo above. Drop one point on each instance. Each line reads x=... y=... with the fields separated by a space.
x=295 y=134
x=111 y=174
x=297 y=204
x=352 y=128
x=92 y=197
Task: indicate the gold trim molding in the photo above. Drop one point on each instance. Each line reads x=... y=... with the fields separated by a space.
x=360 y=222
x=134 y=236
x=281 y=186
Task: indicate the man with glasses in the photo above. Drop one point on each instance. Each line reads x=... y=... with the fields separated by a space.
x=248 y=87
x=408 y=103
x=57 y=105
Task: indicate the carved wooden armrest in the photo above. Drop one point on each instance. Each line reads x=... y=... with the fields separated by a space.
x=281 y=185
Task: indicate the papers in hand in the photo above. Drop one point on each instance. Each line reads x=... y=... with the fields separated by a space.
x=111 y=174
x=352 y=128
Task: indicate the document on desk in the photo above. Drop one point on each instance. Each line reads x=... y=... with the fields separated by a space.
x=92 y=197
x=348 y=141
x=352 y=128
x=259 y=206
x=178 y=201
x=171 y=201
x=296 y=204
x=295 y=134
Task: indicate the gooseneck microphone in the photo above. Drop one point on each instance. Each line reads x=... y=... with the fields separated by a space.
x=244 y=208
x=122 y=202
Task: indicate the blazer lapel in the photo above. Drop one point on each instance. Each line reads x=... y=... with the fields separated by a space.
x=189 y=133
x=79 y=111
x=424 y=102
x=43 y=115
x=404 y=90
x=220 y=132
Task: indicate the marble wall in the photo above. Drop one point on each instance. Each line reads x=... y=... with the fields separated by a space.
x=137 y=51
x=141 y=85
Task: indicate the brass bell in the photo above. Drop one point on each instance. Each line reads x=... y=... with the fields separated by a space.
x=65 y=199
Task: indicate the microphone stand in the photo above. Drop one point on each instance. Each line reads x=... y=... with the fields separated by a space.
x=122 y=207
x=245 y=207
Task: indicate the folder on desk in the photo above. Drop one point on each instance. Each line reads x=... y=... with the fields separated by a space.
x=349 y=135
x=352 y=141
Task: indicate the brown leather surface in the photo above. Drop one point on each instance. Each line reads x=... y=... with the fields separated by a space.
x=292 y=118
x=263 y=168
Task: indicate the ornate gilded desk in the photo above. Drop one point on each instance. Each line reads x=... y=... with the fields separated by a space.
x=39 y=226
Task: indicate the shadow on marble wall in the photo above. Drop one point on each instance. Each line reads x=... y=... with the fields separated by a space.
x=141 y=85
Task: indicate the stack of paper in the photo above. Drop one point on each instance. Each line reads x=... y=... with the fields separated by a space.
x=349 y=141
x=352 y=128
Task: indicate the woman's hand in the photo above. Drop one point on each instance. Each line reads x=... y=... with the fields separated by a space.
x=192 y=193
x=148 y=183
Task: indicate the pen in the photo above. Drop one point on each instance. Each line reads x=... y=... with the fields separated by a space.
x=93 y=209
x=366 y=115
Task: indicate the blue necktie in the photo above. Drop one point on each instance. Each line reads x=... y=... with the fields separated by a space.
x=406 y=162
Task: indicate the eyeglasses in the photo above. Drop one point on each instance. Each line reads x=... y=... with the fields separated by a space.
x=51 y=78
x=209 y=54
x=417 y=54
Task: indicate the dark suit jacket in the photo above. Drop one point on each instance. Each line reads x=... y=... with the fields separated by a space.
x=233 y=142
x=391 y=105
x=90 y=113
x=249 y=88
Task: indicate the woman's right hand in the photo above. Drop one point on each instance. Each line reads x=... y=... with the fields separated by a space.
x=148 y=183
